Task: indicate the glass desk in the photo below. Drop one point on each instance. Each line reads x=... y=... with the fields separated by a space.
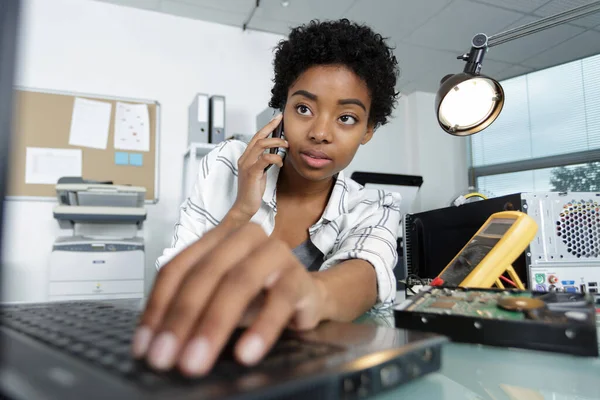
x=472 y=372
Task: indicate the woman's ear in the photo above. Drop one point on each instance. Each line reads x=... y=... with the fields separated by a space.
x=368 y=134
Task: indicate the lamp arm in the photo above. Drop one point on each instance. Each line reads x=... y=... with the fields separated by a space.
x=543 y=24
x=481 y=42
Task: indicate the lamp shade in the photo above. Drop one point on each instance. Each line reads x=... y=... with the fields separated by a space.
x=468 y=103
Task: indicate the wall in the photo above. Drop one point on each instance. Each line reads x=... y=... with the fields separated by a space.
x=386 y=152
x=93 y=47
x=441 y=159
x=414 y=144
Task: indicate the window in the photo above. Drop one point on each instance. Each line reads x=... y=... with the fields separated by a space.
x=547 y=137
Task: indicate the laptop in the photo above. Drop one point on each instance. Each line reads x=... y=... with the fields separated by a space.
x=81 y=349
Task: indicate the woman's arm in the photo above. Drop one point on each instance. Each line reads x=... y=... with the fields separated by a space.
x=349 y=289
x=214 y=187
x=195 y=214
x=359 y=274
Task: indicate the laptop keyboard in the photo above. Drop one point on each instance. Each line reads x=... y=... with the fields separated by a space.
x=101 y=334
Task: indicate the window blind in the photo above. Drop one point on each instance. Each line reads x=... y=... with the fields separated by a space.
x=551 y=116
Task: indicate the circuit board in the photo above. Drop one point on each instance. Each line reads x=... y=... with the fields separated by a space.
x=472 y=303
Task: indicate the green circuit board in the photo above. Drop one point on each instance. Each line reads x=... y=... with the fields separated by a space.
x=471 y=303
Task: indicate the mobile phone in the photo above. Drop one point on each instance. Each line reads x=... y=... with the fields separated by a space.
x=277 y=133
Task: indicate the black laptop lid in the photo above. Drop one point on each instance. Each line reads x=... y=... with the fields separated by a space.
x=9 y=13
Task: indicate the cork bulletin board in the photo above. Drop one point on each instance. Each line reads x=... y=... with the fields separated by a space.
x=42 y=119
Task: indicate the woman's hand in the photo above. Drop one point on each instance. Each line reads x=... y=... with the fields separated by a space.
x=202 y=295
x=252 y=179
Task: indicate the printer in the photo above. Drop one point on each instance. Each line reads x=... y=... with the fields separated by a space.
x=104 y=257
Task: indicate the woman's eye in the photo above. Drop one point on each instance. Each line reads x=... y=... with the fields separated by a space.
x=303 y=110
x=348 y=120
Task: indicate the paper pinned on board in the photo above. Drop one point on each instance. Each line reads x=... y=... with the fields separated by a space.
x=90 y=123
x=136 y=159
x=46 y=165
x=132 y=127
x=121 y=158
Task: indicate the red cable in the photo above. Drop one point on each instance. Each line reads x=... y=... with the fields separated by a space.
x=505 y=279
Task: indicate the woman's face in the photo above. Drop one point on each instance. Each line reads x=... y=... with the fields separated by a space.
x=325 y=120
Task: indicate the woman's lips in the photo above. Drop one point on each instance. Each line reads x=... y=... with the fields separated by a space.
x=315 y=158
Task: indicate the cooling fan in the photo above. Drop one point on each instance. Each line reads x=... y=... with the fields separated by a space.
x=578 y=227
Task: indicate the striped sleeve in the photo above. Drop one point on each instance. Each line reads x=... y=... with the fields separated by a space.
x=194 y=217
x=373 y=239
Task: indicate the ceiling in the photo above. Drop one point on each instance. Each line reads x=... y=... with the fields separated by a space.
x=428 y=34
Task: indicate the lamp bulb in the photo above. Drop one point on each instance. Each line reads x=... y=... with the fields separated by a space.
x=468 y=104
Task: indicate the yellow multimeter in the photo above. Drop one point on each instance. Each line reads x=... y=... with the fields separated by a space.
x=490 y=253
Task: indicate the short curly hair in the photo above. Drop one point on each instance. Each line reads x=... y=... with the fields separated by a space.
x=342 y=42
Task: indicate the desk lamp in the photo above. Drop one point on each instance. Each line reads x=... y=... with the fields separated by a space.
x=469 y=102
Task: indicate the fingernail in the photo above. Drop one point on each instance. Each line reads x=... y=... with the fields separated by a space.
x=141 y=341
x=252 y=349
x=277 y=116
x=195 y=355
x=162 y=352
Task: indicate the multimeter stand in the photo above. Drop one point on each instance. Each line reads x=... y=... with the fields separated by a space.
x=513 y=275
x=498 y=281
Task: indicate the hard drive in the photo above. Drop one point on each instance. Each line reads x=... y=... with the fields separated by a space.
x=549 y=321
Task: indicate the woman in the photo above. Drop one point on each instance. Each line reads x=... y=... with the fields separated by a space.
x=297 y=244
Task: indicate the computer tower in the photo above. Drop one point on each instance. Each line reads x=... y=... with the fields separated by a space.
x=565 y=254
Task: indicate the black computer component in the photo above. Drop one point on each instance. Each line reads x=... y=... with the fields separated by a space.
x=433 y=238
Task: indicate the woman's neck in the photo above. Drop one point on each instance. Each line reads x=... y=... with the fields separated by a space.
x=292 y=184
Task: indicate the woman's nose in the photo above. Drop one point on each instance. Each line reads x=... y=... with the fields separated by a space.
x=321 y=130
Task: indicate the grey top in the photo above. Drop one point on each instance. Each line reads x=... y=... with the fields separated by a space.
x=309 y=255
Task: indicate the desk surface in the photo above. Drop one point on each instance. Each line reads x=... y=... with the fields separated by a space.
x=472 y=372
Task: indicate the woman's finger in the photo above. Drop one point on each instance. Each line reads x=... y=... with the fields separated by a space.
x=165 y=286
x=262 y=133
x=265 y=160
x=281 y=303
x=252 y=154
x=197 y=286
x=236 y=292
x=267 y=129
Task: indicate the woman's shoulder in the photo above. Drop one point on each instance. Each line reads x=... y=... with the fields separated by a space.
x=360 y=197
x=216 y=186
x=223 y=159
x=230 y=149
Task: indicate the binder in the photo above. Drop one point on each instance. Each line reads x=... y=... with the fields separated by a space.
x=198 y=119
x=216 y=119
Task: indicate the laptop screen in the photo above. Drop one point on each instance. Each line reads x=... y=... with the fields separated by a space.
x=9 y=12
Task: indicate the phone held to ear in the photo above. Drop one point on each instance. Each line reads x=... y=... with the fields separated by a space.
x=277 y=133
